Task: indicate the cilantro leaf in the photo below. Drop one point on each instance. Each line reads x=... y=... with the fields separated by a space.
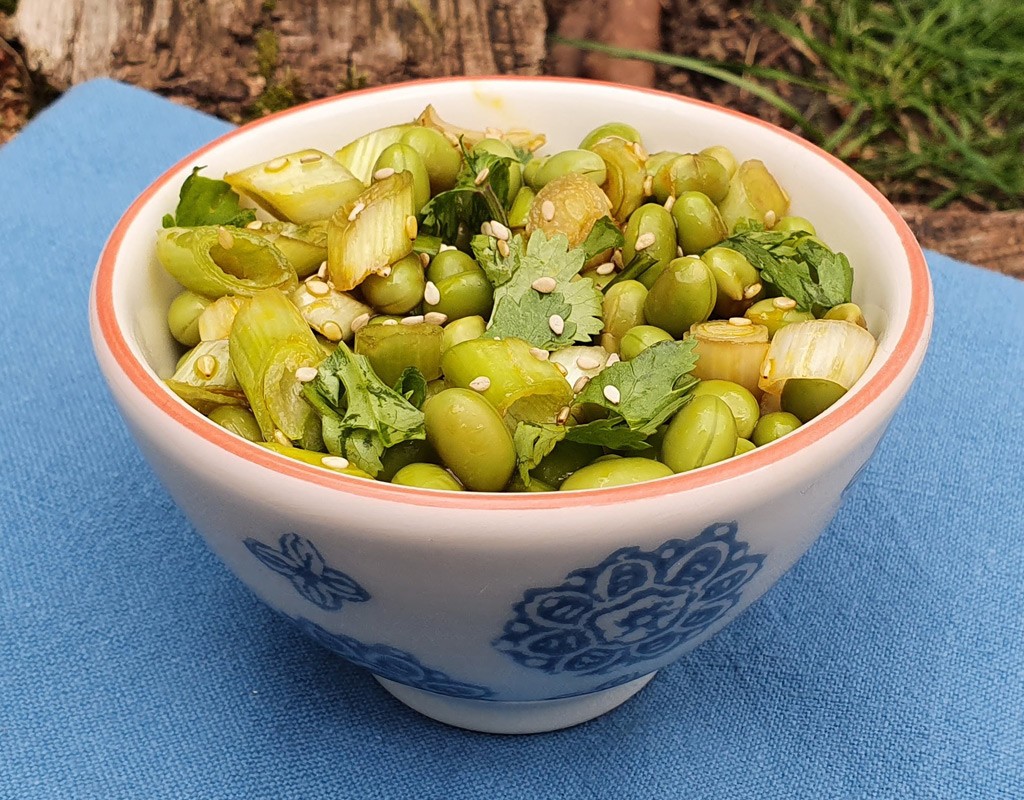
x=468 y=204
x=605 y=235
x=412 y=386
x=610 y=433
x=651 y=387
x=496 y=267
x=533 y=441
x=205 y=201
x=522 y=312
x=361 y=416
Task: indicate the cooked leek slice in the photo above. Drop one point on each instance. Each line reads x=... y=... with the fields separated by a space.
x=359 y=155
x=298 y=187
x=753 y=194
x=305 y=246
x=521 y=138
x=372 y=232
x=330 y=313
x=270 y=341
x=390 y=349
x=730 y=352
x=204 y=378
x=832 y=350
x=215 y=321
x=214 y=261
x=580 y=361
x=333 y=463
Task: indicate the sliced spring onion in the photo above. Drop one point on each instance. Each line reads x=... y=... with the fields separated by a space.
x=305 y=246
x=832 y=350
x=204 y=378
x=391 y=349
x=523 y=139
x=730 y=352
x=330 y=314
x=215 y=321
x=359 y=155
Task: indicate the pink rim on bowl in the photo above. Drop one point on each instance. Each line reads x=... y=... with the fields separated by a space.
x=163 y=399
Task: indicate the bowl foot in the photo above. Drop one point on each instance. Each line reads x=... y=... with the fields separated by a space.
x=533 y=716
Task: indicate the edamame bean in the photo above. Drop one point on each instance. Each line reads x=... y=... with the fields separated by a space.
x=462 y=330
x=775 y=313
x=652 y=226
x=566 y=458
x=183 y=317
x=442 y=159
x=615 y=472
x=657 y=160
x=404 y=453
x=847 y=312
x=702 y=432
x=623 y=309
x=581 y=162
x=401 y=291
x=403 y=158
x=790 y=224
x=737 y=280
x=471 y=439
x=723 y=155
x=774 y=426
x=636 y=340
x=691 y=172
x=462 y=287
x=805 y=398
x=240 y=421
x=741 y=402
x=520 y=210
x=744 y=446
x=426 y=476
x=698 y=223
x=619 y=129
x=753 y=194
x=683 y=295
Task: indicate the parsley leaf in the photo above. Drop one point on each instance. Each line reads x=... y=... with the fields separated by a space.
x=205 y=201
x=796 y=265
x=361 y=416
x=521 y=311
x=533 y=441
x=605 y=235
x=469 y=205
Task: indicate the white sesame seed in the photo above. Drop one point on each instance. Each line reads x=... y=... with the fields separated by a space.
x=485 y=229
x=545 y=285
x=411 y=226
x=617 y=257
x=561 y=369
x=332 y=330
x=769 y=218
x=784 y=303
x=503 y=248
x=643 y=241
x=385 y=273
x=305 y=374
x=310 y=158
x=360 y=322
x=607 y=268
x=415 y=319
x=444 y=247
x=492 y=133
x=649 y=185
x=356 y=211
x=334 y=462
x=383 y=173
x=563 y=415
x=540 y=353
x=481 y=176
x=435 y=318
x=557 y=324
x=613 y=358
x=317 y=288
x=281 y=439
x=587 y=362
x=206 y=366
x=224 y=237
x=277 y=164
x=322 y=272
x=255 y=225
x=581 y=384
x=751 y=291
x=740 y=322
x=431 y=294
x=481 y=384
x=611 y=394
x=679 y=252
x=669 y=202
x=547 y=210
x=390 y=322
x=424 y=260
x=638 y=150
x=499 y=231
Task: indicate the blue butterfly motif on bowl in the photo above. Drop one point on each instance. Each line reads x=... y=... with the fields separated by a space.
x=391 y=663
x=297 y=559
x=633 y=607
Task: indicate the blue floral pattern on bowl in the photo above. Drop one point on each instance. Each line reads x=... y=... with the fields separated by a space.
x=297 y=559
x=633 y=607
x=394 y=664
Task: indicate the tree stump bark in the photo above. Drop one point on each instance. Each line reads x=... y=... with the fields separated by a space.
x=227 y=55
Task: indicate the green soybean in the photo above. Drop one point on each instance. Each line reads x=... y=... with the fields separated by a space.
x=519 y=213
x=653 y=227
x=615 y=472
x=698 y=223
x=691 y=172
x=703 y=432
x=461 y=284
x=471 y=439
x=398 y=293
x=426 y=476
x=743 y=405
x=723 y=155
x=442 y=159
x=403 y=158
x=636 y=340
x=462 y=330
x=623 y=308
x=683 y=295
x=744 y=446
x=774 y=426
x=805 y=398
x=240 y=421
x=183 y=317
x=565 y=459
x=619 y=129
x=404 y=453
x=582 y=162
x=775 y=313
x=790 y=224
x=847 y=312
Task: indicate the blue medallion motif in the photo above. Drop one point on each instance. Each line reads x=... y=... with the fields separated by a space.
x=633 y=607
x=394 y=664
x=298 y=560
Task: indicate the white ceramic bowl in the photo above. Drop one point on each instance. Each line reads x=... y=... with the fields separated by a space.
x=504 y=612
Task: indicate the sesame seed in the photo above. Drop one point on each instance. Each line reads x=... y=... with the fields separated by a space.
x=255 y=225
x=544 y=285
x=638 y=150
x=617 y=258
x=751 y=291
x=611 y=394
x=499 y=231
x=607 y=268
x=277 y=164
x=740 y=322
x=481 y=176
x=587 y=362
x=679 y=252
x=411 y=226
x=769 y=218
x=492 y=133
x=382 y=173
x=649 y=185
x=322 y=272
x=784 y=303
x=435 y=318
x=206 y=366
x=385 y=273
x=356 y=211
x=444 y=247
x=540 y=354
x=390 y=322
x=360 y=322
x=643 y=241
x=485 y=229
x=581 y=384
x=561 y=369
x=503 y=248
x=224 y=237
x=481 y=384
x=281 y=439
x=310 y=158
x=415 y=319
x=613 y=358
x=671 y=201
x=332 y=330
x=334 y=462
x=305 y=374
x=431 y=294
x=424 y=260
x=563 y=415
x=557 y=324
x=317 y=287
x=547 y=210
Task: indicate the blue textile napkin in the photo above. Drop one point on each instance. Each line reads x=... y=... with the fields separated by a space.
x=888 y=663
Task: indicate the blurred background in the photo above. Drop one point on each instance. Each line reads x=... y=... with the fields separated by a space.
x=923 y=97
